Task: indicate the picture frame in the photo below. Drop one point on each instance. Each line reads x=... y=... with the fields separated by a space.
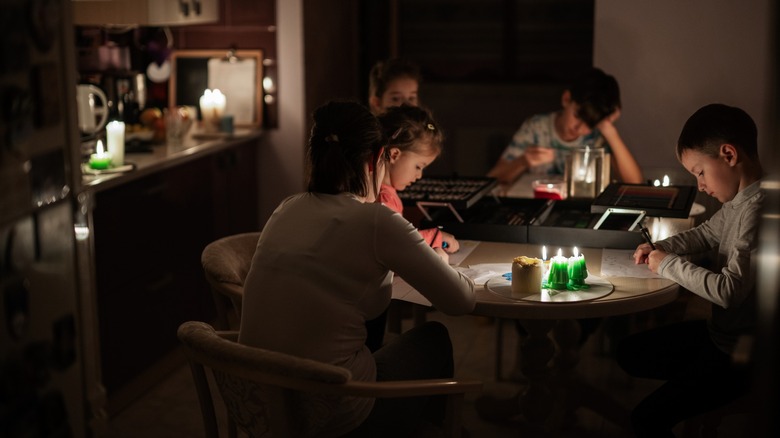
x=237 y=73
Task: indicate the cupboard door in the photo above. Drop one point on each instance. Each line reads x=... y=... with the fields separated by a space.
x=235 y=190
x=149 y=235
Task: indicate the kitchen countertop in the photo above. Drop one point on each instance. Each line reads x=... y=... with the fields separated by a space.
x=164 y=156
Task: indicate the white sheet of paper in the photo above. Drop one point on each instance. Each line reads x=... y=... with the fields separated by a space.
x=482 y=272
x=620 y=263
x=466 y=247
x=405 y=292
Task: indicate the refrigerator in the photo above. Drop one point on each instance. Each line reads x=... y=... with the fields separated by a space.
x=48 y=387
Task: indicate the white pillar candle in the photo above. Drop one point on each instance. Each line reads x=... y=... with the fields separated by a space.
x=115 y=137
x=212 y=107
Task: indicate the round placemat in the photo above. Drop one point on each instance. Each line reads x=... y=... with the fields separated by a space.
x=599 y=288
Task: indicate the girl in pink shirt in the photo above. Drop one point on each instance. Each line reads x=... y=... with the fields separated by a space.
x=414 y=142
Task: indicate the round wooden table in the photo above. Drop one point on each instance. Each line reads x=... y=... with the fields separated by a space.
x=554 y=332
x=631 y=295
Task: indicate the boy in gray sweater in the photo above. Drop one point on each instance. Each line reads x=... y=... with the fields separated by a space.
x=718 y=146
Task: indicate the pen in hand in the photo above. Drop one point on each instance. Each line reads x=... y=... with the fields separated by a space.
x=646 y=235
x=444 y=245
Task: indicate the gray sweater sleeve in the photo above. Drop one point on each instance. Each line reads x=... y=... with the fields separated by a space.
x=733 y=230
x=401 y=248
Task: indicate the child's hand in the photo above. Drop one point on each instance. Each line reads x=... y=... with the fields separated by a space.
x=645 y=254
x=449 y=243
x=641 y=253
x=654 y=259
x=538 y=155
x=606 y=124
x=444 y=256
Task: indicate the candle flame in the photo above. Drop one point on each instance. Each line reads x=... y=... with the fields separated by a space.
x=544 y=253
x=560 y=252
x=576 y=252
x=665 y=182
x=99 y=147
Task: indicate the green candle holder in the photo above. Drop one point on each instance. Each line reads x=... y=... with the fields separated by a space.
x=100 y=161
x=558 y=276
x=578 y=272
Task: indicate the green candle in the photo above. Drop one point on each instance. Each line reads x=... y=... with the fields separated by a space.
x=559 y=272
x=100 y=159
x=578 y=272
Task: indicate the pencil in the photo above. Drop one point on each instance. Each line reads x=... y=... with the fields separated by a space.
x=646 y=235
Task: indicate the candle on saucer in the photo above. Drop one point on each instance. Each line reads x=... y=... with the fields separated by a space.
x=100 y=159
x=115 y=139
x=577 y=270
x=558 y=276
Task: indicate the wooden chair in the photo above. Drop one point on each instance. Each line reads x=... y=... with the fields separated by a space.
x=260 y=387
x=226 y=263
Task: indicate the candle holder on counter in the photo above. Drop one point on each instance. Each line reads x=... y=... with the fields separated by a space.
x=101 y=159
x=115 y=139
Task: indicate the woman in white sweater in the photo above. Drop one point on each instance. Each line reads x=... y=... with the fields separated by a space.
x=324 y=265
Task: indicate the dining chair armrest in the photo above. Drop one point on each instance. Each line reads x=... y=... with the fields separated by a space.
x=230 y=335
x=410 y=388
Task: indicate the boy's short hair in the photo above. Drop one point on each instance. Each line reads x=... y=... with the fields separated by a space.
x=597 y=95
x=716 y=124
x=384 y=72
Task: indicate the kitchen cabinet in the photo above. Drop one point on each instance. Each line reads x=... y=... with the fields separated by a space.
x=144 y=12
x=148 y=237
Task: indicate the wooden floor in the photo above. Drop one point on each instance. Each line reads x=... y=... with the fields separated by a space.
x=171 y=408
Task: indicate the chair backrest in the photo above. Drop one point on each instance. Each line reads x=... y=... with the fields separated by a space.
x=260 y=388
x=272 y=393
x=226 y=263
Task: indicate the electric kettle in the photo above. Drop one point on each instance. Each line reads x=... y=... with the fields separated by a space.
x=92 y=108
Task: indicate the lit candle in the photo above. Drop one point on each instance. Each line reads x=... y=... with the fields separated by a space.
x=100 y=159
x=115 y=137
x=578 y=272
x=665 y=182
x=212 y=106
x=559 y=272
x=545 y=265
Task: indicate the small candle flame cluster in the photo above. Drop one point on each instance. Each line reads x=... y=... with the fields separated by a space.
x=662 y=183
x=565 y=273
x=212 y=107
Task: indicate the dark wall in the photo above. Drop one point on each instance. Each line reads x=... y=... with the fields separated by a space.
x=331 y=51
x=486 y=65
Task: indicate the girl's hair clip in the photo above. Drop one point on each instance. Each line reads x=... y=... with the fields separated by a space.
x=332 y=138
x=431 y=127
x=396 y=133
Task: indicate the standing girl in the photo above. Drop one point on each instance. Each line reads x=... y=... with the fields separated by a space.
x=391 y=83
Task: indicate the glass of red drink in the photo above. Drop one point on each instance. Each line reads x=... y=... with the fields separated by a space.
x=549 y=188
